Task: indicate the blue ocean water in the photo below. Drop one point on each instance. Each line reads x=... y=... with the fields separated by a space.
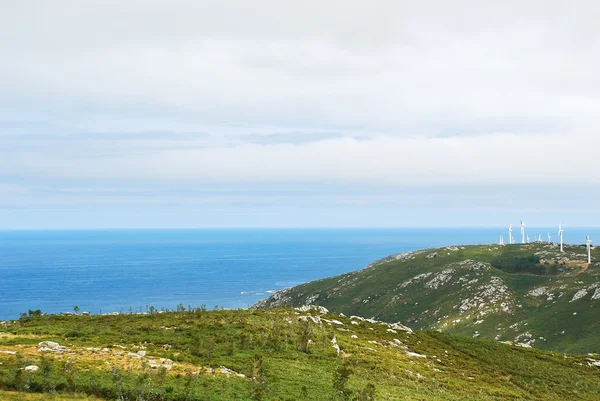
x=106 y=271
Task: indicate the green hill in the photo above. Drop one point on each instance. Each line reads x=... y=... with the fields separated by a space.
x=530 y=294
x=275 y=354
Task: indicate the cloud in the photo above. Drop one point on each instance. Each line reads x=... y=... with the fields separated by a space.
x=396 y=67
x=386 y=160
x=363 y=98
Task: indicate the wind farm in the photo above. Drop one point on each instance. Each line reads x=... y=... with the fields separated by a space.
x=525 y=239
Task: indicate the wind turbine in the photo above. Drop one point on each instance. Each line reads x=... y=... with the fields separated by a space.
x=523 y=232
x=510 y=237
x=549 y=238
x=560 y=234
x=588 y=245
x=540 y=238
x=501 y=243
x=528 y=239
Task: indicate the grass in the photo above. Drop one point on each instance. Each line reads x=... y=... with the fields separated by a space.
x=272 y=349
x=20 y=396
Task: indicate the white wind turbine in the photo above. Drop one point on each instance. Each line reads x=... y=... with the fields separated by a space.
x=560 y=234
x=540 y=238
x=510 y=237
x=501 y=243
x=549 y=238
x=522 y=232
x=588 y=245
x=528 y=239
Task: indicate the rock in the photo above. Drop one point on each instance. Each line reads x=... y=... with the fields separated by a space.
x=49 y=344
x=133 y=355
x=159 y=366
x=415 y=354
x=85 y=313
x=141 y=353
x=32 y=368
x=593 y=362
x=399 y=326
x=579 y=294
x=439 y=279
x=8 y=352
x=228 y=372
x=308 y=308
x=335 y=345
x=538 y=291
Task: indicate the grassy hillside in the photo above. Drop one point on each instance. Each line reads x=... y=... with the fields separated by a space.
x=277 y=354
x=530 y=294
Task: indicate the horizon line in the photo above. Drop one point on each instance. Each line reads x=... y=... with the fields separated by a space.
x=275 y=228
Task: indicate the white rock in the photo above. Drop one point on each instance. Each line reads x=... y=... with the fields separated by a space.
x=158 y=366
x=439 y=279
x=32 y=368
x=49 y=344
x=538 y=291
x=399 y=326
x=579 y=294
x=228 y=372
x=316 y=308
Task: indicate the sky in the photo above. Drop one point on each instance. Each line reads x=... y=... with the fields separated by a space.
x=189 y=114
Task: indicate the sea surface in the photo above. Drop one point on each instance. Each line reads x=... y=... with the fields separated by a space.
x=122 y=270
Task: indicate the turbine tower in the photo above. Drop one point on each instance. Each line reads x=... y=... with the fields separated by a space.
x=522 y=232
x=588 y=245
x=510 y=237
x=549 y=238
x=501 y=243
x=560 y=234
x=528 y=239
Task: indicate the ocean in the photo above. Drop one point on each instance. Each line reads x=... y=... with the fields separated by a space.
x=121 y=270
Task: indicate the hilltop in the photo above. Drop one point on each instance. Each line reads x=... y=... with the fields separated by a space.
x=277 y=354
x=530 y=294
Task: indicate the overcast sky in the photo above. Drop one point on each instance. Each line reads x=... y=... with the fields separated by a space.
x=290 y=114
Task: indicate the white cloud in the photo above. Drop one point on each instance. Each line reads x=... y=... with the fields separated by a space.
x=483 y=159
x=396 y=67
x=103 y=94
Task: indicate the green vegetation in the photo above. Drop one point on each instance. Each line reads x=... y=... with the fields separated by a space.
x=511 y=263
x=531 y=294
x=278 y=354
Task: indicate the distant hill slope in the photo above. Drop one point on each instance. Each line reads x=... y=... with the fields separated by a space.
x=278 y=354
x=530 y=294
